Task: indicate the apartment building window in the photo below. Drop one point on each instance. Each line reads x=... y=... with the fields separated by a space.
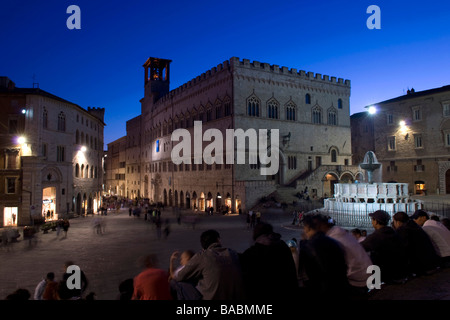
x=446 y=109
x=447 y=139
x=418 y=143
x=417 y=113
x=13 y=126
x=390 y=118
x=11 y=159
x=11 y=185
x=419 y=167
x=391 y=143
x=392 y=167
x=60 y=154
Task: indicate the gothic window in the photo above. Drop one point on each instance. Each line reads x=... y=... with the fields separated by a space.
x=308 y=98
x=253 y=104
x=77 y=170
x=333 y=155
x=61 y=122
x=218 y=106
x=272 y=109
x=316 y=115
x=290 y=111
x=332 y=117
x=209 y=114
x=227 y=106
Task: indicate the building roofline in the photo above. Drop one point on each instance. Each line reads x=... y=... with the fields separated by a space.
x=413 y=94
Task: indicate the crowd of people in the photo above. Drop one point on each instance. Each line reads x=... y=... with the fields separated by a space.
x=327 y=261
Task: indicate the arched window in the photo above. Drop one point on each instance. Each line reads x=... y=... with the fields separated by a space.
x=332 y=117
x=308 y=98
x=82 y=171
x=290 y=111
x=227 y=106
x=218 y=106
x=61 y=122
x=333 y=155
x=253 y=106
x=339 y=103
x=77 y=170
x=316 y=115
x=87 y=171
x=272 y=109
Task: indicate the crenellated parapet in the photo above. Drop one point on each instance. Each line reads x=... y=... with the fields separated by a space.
x=276 y=69
x=235 y=63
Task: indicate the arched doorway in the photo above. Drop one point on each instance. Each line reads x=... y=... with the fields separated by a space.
x=78 y=204
x=181 y=199
x=218 y=202
x=194 y=200
x=49 y=203
x=188 y=200
x=201 y=202
x=329 y=180
x=176 y=198
x=165 y=198
x=170 y=198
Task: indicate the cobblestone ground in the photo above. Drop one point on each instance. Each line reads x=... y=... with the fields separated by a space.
x=111 y=257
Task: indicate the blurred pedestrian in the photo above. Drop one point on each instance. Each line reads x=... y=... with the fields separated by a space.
x=65 y=226
x=322 y=260
x=19 y=295
x=152 y=283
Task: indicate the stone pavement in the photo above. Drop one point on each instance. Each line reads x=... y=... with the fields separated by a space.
x=112 y=257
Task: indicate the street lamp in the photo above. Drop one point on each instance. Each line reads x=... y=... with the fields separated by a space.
x=372 y=110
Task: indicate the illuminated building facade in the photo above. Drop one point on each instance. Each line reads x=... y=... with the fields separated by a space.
x=51 y=156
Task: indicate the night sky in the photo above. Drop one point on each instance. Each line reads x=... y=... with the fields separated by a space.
x=100 y=65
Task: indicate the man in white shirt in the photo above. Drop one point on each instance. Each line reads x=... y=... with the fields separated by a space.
x=439 y=234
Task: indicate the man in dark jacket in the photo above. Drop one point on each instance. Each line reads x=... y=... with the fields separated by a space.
x=422 y=258
x=216 y=269
x=323 y=261
x=385 y=249
x=268 y=267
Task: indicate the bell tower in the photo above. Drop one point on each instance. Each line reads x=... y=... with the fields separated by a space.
x=157 y=77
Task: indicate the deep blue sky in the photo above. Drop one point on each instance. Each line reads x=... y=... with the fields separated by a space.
x=101 y=64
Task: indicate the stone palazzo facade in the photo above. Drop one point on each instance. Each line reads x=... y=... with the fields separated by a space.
x=309 y=111
x=51 y=156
